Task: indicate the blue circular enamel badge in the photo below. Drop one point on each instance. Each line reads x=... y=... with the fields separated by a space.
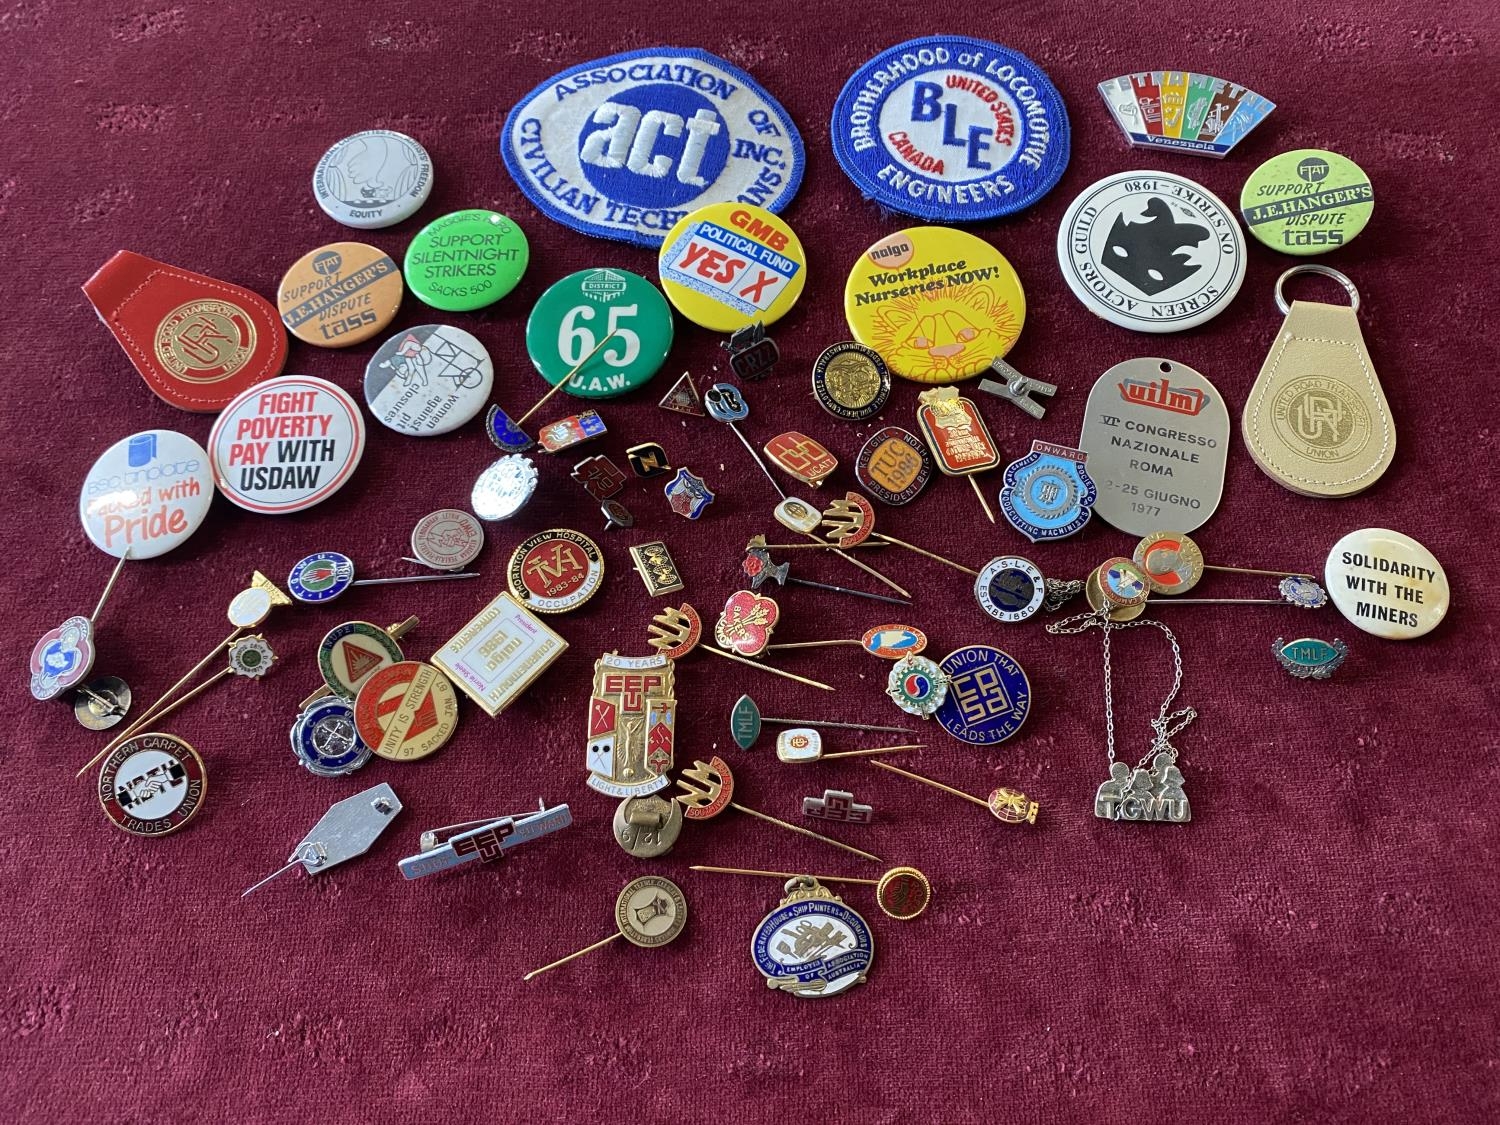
x=988 y=697
x=321 y=577
x=326 y=741
x=951 y=129
x=625 y=146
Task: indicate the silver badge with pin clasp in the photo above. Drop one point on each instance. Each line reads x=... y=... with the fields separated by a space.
x=347 y=830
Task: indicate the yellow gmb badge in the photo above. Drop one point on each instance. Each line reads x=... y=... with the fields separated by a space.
x=938 y=305
x=730 y=265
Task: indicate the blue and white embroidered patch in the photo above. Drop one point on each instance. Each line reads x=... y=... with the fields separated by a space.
x=951 y=129
x=625 y=146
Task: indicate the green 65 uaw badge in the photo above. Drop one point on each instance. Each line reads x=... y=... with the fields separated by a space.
x=606 y=331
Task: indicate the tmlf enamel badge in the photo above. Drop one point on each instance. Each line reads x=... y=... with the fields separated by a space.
x=624 y=147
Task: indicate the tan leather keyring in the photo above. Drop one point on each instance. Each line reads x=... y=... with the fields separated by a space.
x=1316 y=420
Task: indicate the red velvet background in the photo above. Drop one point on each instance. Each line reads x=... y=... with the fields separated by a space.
x=1317 y=945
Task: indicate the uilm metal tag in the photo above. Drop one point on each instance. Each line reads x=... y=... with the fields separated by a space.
x=1157 y=436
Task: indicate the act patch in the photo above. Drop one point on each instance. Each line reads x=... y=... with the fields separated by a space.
x=951 y=129
x=626 y=146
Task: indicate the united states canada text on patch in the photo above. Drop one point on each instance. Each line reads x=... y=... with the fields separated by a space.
x=625 y=146
x=951 y=129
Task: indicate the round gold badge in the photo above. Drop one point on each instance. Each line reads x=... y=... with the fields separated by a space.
x=1321 y=419
x=205 y=341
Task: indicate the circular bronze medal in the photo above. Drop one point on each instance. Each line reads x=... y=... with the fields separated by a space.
x=651 y=911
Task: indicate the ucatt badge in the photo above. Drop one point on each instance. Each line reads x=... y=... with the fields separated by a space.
x=632 y=716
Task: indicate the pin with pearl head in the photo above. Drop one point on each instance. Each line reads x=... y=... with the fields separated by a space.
x=248 y=656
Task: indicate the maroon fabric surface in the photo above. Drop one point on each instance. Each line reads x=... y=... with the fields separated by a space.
x=1317 y=945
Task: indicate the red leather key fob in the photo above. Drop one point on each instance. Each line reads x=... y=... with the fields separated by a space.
x=197 y=341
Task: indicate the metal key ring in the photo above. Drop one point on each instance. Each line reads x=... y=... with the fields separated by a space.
x=1326 y=271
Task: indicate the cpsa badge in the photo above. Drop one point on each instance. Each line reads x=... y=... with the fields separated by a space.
x=625 y=146
x=632 y=716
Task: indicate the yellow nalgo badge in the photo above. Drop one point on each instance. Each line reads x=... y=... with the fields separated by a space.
x=729 y=265
x=938 y=305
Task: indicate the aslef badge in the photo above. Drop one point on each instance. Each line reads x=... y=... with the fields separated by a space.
x=632 y=717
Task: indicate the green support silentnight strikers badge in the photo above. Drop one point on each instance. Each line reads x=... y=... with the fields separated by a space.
x=612 y=326
x=466 y=260
x=1307 y=201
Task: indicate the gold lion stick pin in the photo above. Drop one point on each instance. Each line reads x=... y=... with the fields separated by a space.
x=795 y=515
x=956 y=434
x=649 y=912
x=678 y=632
x=508 y=434
x=851 y=521
x=707 y=789
x=1007 y=805
x=247 y=609
x=901 y=893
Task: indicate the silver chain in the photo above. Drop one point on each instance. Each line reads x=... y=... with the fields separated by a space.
x=1167 y=724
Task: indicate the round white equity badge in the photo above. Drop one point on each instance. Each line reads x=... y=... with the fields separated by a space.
x=951 y=129
x=624 y=147
x=146 y=494
x=373 y=179
x=1151 y=251
x=286 y=444
x=1386 y=583
x=428 y=380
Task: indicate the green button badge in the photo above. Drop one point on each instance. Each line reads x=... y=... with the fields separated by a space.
x=618 y=318
x=1307 y=201
x=466 y=260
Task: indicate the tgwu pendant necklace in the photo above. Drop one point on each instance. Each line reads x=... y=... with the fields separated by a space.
x=1153 y=791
